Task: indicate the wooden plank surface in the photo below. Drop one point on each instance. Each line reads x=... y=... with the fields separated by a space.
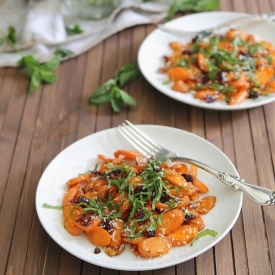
x=34 y=128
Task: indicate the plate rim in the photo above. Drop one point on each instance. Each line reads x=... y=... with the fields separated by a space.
x=140 y=268
x=196 y=102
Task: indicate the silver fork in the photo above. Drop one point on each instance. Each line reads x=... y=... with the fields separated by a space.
x=149 y=148
x=208 y=32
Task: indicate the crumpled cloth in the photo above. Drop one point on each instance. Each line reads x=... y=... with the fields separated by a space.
x=40 y=26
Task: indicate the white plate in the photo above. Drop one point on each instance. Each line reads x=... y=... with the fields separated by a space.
x=82 y=156
x=155 y=47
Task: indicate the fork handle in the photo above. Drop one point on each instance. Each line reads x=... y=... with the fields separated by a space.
x=258 y=194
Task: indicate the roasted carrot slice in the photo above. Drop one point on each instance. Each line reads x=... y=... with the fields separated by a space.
x=116 y=237
x=183 y=235
x=200 y=185
x=79 y=179
x=170 y=220
x=197 y=222
x=180 y=86
x=205 y=204
x=124 y=154
x=99 y=236
x=154 y=247
x=81 y=223
x=70 y=213
x=174 y=178
x=239 y=97
x=177 y=73
x=69 y=196
x=99 y=183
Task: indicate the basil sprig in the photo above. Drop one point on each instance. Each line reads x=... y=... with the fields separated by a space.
x=111 y=92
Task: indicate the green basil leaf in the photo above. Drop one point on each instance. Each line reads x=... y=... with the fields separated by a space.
x=53 y=63
x=127 y=99
x=45 y=205
x=206 y=5
x=192 y=6
x=35 y=81
x=103 y=89
x=48 y=76
x=73 y=31
x=27 y=61
x=119 y=97
x=204 y=233
x=11 y=36
x=63 y=52
x=127 y=73
x=100 y=100
x=115 y=99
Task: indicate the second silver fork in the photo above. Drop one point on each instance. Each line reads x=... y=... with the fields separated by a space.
x=150 y=149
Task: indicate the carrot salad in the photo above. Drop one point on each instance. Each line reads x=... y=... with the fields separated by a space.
x=230 y=67
x=148 y=205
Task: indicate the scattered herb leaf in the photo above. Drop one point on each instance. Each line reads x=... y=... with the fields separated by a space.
x=192 y=6
x=63 y=52
x=39 y=72
x=126 y=74
x=58 y=207
x=111 y=92
x=206 y=232
x=73 y=31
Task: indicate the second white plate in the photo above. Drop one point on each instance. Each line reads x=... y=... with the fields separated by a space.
x=156 y=46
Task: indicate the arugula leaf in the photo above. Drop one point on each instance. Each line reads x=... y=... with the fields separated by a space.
x=204 y=233
x=45 y=205
x=111 y=92
x=192 y=6
x=73 y=31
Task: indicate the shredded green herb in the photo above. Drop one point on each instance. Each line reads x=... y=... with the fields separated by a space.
x=206 y=232
x=58 y=207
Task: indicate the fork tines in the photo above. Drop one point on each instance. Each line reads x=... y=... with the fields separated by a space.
x=146 y=146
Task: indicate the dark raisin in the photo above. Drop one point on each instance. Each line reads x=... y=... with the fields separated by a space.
x=165 y=58
x=97 y=250
x=84 y=219
x=151 y=233
x=187 y=52
x=188 y=178
x=107 y=225
x=210 y=98
x=253 y=93
x=204 y=78
x=189 y=217
x=221 y=77
x=139 y=189
x=140 y=214
x=82 y=199
x=114 y=174
x=95 y=173
x=244 y=54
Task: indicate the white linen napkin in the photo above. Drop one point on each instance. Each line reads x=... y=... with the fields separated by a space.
x=40 y=26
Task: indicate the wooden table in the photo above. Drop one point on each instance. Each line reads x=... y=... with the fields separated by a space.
x=34 y=128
